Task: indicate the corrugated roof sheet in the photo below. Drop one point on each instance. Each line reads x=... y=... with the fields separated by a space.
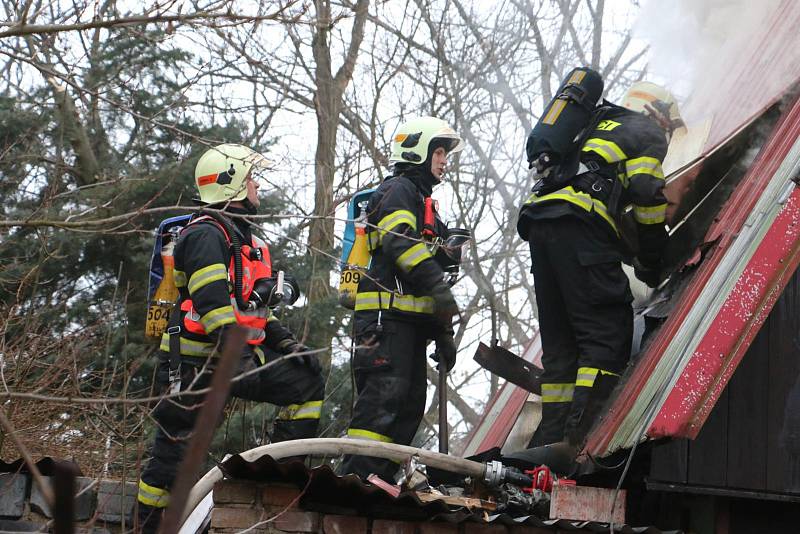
x=684 y=370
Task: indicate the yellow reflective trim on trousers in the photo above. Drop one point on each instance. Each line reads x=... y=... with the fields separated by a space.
x=219 y=317
x=650 y=214
x=413 y=256
x=297 y=412
x=561 y=392
x=583 y=200
x=608 y=150
x=360 y=433
x=587 y=375
x=152 y=496
x=384 y=300
x=180 y=278
x=189 y=347
x=206 y=275
x=644 y=165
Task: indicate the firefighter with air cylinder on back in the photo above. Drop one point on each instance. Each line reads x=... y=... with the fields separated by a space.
x=403 y=299
x=224 y=277
x=593 y=160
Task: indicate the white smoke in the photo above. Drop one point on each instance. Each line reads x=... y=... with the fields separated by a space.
x=711 y=53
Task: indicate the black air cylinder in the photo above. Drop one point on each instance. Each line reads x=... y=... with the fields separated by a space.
x=565 y=116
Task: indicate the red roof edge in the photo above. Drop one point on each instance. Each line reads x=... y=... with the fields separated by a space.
x=727 y=225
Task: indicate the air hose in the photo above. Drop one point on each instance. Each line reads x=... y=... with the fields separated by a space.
x=492 y=473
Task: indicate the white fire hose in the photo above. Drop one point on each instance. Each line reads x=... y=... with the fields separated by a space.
x=338 y=446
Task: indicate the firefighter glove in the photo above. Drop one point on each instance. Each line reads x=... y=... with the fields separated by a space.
x=309 y=360
x=445 y=350
x=444 y=304
x=649 y=274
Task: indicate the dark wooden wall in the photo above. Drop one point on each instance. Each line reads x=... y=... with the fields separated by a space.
x=739 y=446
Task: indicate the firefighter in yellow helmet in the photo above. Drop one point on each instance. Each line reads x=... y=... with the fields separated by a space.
x=403 y=301
x=224 y=276
x=582 y=293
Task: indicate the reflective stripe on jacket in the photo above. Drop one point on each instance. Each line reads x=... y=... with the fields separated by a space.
x=403 y=272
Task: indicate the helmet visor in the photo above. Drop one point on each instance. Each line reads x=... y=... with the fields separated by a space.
x=260 y=166
x=451 y=141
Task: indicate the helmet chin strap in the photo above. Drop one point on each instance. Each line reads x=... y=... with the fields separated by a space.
x=249 y=207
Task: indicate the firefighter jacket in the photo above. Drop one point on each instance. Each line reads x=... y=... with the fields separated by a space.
x=205 y=277
x=626 y=146
x=403 y=273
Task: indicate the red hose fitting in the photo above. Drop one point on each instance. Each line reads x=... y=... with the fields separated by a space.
x=544 y=479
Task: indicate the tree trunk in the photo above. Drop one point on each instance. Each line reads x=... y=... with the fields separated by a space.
x=328 y=104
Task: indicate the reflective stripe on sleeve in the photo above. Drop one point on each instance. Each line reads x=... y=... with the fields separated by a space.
x=395 y=219
x=587 y=375
x=296 y=412
x=413 y=256
x=152 y=496
x=608 y=150
x=218 y=317
x=360 y=433
x=644 y=165
x=562 y=392
x=650 y=214
x=389 y=223
x=206 y=275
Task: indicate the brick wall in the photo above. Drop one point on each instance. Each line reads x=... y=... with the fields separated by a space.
x=273 y=508
x=100 y=507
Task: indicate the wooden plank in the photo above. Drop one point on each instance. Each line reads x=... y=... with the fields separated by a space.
x=466 y=502
x=748 y=416
x=708 y=454
x=784 y=367
x=585 y=503
x=670 y=461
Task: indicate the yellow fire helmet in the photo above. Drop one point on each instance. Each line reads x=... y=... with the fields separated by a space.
x=655 y=102
x=221 y=172
x=412 y=139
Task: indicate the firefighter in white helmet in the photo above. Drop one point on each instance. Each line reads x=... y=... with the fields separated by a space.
x=403 y=301
x=224 y=276
x=582 y=293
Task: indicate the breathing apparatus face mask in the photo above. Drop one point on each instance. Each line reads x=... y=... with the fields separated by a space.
x=272 y=291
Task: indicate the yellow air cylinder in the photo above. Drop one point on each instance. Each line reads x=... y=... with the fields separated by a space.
x=165 y=296
x=357 y=264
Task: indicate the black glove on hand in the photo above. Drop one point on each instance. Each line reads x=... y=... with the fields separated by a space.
x=444 y=304
x=445 y=350
x=309 y=360
x=649 y=274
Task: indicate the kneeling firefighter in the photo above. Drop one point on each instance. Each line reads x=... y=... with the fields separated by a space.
x=593 y=161
x=403 y=301
x=224 y=277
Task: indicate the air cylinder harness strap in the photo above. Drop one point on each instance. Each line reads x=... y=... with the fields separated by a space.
x=174 y=330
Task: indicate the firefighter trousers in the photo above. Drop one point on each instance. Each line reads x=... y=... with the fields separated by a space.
x=585 y=319
x=391 y=381
x=286 y=383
